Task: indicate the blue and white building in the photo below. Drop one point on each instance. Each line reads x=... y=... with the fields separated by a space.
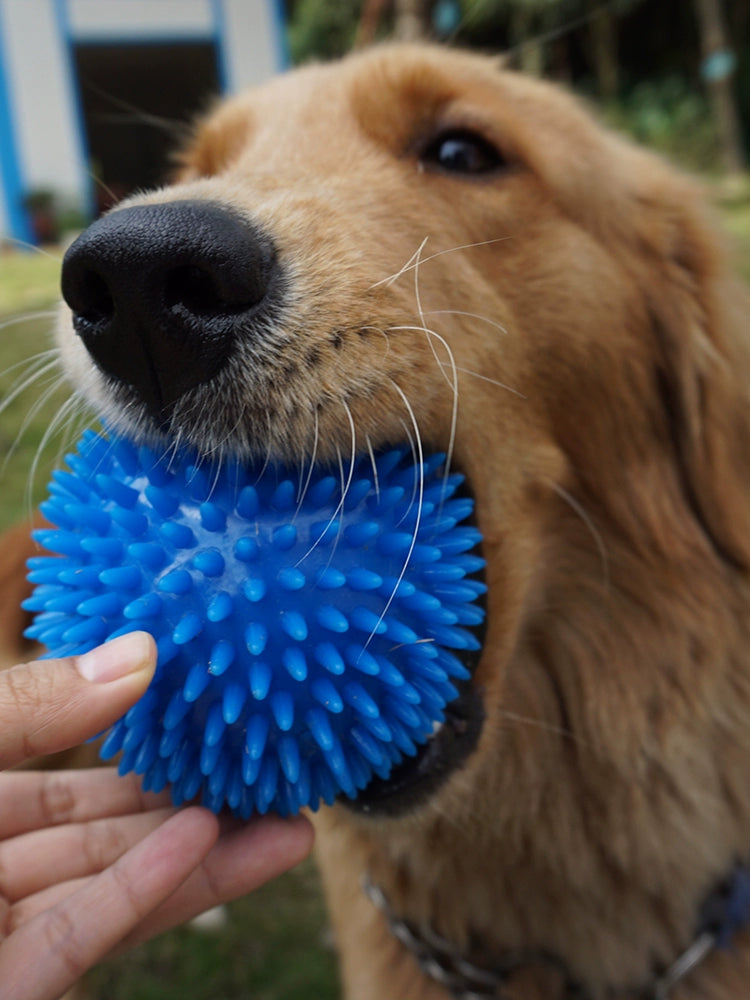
x=92 y=92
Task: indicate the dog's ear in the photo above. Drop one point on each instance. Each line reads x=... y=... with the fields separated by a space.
x=700 y=315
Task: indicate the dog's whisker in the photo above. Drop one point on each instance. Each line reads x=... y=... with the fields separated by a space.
x=334 y=516
x=406 y=267
x=39 y=358
x=28 y=380
x=25 y=245
x=469 y=315
x=168 y=447
x=194 y=472
x=71 y=425
x=102 y=186
x=36 y=359
x=417 y=444
x=417 y=293
x=414 y=460
x=378 y=329
x=452 y=384
x=443 y=365
x=216 y=477
x=527 y=720
x=342 y=477
x=302 y=464
x=67 y=410
x=411 y=263
x=353 y=450
x=41 y=401
x=175 y=127
x=375 y=475
x=61 y=417
x=491 y=381
x=268 y=458
x=221 y=449
x=304 y=487
x=596 y=535
x=174 y=447
x=346 y=482
x=23 y=318
x=409 y=435
x=32 y=372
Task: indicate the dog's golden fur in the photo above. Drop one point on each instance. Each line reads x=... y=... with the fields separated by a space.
x=583 y=304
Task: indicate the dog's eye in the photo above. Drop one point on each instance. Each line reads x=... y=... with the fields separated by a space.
x=460 y=151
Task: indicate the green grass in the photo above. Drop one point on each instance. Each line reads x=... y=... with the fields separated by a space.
x=272 y=948
x=26 y=415
x=28 y=280
x=25 y=465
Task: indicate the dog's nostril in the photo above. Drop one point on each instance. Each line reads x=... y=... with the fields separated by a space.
x=194 y=289
x=96 y=303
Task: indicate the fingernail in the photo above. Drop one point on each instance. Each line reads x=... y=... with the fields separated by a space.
x=122 y=656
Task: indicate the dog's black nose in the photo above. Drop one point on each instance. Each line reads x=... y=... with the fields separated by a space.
x=161 y=293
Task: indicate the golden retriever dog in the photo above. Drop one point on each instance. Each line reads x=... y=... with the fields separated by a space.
x=417 y=243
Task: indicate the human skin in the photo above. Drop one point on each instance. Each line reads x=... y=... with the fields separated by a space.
x=89 y=863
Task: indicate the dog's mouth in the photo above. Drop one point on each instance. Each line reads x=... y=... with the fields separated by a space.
x=412 y=783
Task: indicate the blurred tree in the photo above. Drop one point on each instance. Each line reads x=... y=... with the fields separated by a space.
x=604 y=48
x=321 y=29
x=369 y=21
x=539 y=30
x=718 y=70
x=411 y=20
x=530 y=21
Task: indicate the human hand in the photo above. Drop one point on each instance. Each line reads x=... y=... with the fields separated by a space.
x=88 y=862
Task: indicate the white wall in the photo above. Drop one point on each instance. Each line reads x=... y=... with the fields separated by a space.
x=37 y=33
x=45 y=122
x=253 y=48
x=133 y=19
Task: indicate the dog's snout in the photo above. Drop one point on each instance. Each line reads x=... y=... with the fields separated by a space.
x=161 y=293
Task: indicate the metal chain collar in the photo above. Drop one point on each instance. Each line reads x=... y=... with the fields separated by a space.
x=464 y=980
x=439 y=959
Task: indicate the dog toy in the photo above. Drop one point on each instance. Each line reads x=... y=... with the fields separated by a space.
x=307 y=622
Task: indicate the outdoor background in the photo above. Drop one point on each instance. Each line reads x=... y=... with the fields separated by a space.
x=673 y=73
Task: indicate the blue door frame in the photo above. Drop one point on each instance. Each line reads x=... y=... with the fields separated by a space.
x=12 y=186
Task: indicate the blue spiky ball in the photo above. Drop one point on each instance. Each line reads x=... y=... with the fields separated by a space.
x=309 y=623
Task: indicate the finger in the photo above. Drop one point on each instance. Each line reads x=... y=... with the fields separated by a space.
x=51 y=705
x=31 y=800
x=49 y=953
x=244 y=858
x=34 y=861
